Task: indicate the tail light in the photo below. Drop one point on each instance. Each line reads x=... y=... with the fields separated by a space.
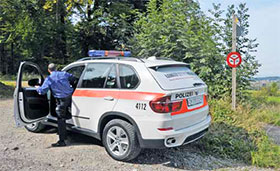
x=165 y=105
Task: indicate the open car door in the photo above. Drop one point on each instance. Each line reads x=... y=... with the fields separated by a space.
x=29 y=106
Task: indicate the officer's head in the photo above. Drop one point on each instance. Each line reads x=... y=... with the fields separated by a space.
x=51 y=67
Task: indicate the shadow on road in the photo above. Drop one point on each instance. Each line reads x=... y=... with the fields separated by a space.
x=74 y=139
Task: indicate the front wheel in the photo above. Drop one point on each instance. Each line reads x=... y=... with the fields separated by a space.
x=120 y=140
x=35 y=127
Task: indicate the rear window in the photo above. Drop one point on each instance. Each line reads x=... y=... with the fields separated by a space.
x=128 y=77
x=173 y=77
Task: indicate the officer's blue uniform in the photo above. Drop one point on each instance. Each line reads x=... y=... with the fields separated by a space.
x=59 y=83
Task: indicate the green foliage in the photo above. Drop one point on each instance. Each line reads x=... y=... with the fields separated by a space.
x=60 y=31
x=226 y=137
x=273 y=89
x=63 y=31
x=6 y=91
x=179 y=30
x=7 y=77
x=274 y=99
x=268 y=154
x=240 y=134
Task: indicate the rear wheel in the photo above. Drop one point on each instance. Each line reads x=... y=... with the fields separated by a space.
x=35 y=127
x=120 y=140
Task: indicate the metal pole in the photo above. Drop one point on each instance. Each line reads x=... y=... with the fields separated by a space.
x=233 y=69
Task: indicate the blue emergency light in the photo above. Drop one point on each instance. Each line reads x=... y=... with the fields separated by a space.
x=109 y=53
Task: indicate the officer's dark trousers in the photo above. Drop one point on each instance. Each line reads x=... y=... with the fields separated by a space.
x=62 y=105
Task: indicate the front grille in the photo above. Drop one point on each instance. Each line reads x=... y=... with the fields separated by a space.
x=195 y=136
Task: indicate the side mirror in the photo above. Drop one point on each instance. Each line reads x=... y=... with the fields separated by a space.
x=34 y=82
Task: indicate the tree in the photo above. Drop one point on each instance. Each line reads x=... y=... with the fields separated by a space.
x=26 y=33
x=178 y=29
x=109 y=25
x=273 y=89
x=61 y=31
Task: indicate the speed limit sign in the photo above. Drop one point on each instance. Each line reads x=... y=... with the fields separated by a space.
x=234 y=59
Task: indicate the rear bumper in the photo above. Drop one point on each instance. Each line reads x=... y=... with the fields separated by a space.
x=180 y=137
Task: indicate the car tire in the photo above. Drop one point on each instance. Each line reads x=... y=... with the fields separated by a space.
x=120 y=140
x=35 y=127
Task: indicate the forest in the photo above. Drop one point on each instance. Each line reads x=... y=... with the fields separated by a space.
x=62 y=31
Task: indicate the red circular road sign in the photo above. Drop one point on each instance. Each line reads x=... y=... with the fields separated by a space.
x=234 y=59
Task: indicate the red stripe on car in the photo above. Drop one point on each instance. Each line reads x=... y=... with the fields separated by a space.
x=128 y=95
x=185 y=108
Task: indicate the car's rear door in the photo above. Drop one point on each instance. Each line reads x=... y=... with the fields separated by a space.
x=29 y=106
x=183 y=85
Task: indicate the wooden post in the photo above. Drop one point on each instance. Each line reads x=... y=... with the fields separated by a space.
x=233 y=69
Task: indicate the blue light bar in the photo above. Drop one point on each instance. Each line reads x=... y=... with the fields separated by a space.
x=109 y=53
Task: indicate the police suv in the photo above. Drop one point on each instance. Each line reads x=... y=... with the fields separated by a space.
x=127 y=103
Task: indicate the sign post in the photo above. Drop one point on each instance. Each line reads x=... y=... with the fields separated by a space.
x=234 y=21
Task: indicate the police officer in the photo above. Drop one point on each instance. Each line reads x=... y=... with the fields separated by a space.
x=59 y=83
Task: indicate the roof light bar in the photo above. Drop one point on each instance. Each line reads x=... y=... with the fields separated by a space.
x=110 y=53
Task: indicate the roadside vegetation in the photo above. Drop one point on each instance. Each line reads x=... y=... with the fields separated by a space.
x=6 y=91
x=241 y=134
x=8 y=84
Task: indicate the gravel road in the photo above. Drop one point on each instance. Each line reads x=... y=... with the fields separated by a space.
x=22 y=150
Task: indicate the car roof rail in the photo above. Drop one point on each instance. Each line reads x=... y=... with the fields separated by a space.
x=113 y=57
x=159 y=58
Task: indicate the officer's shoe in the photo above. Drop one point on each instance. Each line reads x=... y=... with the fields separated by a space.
x=59 y=144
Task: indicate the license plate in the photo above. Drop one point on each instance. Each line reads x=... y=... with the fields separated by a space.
x=194 y=101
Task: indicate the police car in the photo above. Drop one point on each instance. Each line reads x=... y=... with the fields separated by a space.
x=127 y=103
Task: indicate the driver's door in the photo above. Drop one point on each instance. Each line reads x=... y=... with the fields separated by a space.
x=29 y=106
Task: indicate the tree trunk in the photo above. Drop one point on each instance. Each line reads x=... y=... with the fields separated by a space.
x=63 y=36
x=2 y=58
x=60 y=40
x=12 y=58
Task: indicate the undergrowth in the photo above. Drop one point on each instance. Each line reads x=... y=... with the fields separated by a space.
x=6 y=91
x=240 y=134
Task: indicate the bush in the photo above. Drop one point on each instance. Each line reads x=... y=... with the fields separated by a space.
x=267 y=155
x=7 y=77
x=6 y=91
x=240 y=135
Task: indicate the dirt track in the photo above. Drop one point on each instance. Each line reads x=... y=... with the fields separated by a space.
x=22 y=150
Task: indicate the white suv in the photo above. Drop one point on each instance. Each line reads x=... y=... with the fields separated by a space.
x=127 y=103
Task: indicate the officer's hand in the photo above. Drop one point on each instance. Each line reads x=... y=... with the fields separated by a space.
x=36 y=86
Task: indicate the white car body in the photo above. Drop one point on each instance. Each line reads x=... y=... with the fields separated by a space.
x=92 y=108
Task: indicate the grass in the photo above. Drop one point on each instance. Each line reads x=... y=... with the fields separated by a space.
x=6 y=91
x=7 y=88
x=9 y=83
x=13 y=83
x=240 y=134
x=274 y=99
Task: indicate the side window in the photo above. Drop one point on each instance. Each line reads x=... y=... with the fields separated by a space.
x=111 y=81
x=76 y=71
x=29 y=72
x=128 y=77
x=95 y=75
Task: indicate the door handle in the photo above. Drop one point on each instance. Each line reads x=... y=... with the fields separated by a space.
x=109 y=98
